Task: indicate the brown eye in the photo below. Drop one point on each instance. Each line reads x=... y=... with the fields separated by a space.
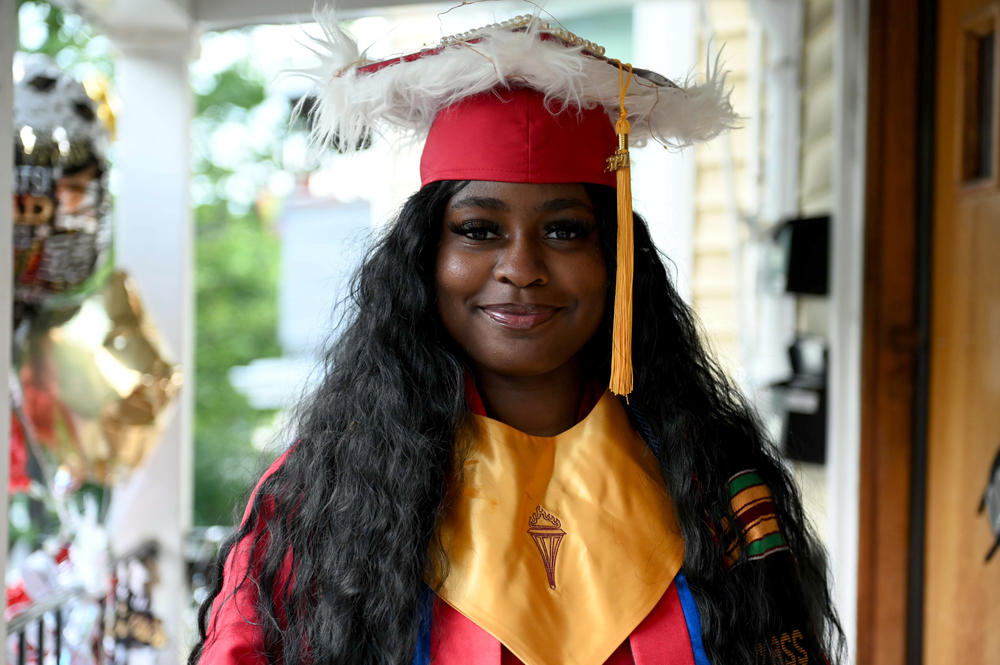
x=476 y=230
x=568 y=230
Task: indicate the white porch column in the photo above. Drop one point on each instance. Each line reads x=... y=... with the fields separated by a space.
x=663 y=181
x=850 y=116
x=8 y=40
x=772 y=316
x=153 y=242
x=782 y=21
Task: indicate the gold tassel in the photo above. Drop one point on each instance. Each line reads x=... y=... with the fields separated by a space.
x=621 y=333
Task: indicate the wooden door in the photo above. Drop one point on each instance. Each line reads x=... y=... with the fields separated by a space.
x=961 y=590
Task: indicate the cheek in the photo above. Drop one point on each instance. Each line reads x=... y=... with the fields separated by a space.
x=599 y=304
x=456 y=280
x=451 y=271
x=591 y=281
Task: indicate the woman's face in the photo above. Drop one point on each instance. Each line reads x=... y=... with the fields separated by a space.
x=521 y=279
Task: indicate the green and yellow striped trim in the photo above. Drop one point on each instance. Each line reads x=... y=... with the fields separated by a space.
x=753 y=506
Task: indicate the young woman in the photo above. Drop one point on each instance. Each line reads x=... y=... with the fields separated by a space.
x=464 y=489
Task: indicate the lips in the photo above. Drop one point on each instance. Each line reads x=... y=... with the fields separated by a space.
x=518 y=316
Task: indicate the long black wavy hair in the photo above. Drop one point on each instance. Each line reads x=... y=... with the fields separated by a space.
x=357 y=500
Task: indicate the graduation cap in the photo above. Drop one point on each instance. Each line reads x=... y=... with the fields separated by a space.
x=520 y=101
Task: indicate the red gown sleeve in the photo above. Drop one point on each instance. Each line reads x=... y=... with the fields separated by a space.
x=233 y=634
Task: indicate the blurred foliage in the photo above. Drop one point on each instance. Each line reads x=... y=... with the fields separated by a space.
x=65 y=37
x=236 y=278
x=236 y=87
x=236 y=263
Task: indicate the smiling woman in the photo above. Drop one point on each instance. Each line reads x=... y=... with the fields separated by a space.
x=464 y=488
x=521 y=288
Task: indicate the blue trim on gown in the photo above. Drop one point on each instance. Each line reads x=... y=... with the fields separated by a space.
x=425 y=608
x=692 y=619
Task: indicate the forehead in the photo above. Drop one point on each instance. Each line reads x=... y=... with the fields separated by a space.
x=518 y=194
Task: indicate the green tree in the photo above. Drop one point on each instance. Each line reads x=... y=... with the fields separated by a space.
x=63 y=36
x=236 y=290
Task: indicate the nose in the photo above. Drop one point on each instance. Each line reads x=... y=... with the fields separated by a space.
x=522 y=263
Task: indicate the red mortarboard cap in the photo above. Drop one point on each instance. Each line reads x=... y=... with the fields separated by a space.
x=512 y=135
x=404 y=95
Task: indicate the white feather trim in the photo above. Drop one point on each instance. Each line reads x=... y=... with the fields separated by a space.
x=404 y=97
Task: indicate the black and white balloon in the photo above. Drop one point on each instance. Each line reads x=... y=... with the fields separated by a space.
x=62 y=226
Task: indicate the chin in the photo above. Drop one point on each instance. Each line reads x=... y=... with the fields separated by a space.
x=522 y=365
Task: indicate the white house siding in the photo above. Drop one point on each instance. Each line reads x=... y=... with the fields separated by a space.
x=714 y=293
x=816 y=159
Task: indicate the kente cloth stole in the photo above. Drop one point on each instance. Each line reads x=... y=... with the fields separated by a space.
x=560 y=546
x=754 y=509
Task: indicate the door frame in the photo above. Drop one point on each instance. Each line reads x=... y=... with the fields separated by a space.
x=896 y=313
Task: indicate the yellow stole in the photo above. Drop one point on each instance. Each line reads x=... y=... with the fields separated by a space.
x=560 y=546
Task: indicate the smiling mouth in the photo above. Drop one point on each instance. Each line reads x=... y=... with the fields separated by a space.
x=520 y=317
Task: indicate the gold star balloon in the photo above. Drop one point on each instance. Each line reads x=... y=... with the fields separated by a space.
x=96 y=383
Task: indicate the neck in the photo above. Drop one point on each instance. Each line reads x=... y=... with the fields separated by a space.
x=538 y=405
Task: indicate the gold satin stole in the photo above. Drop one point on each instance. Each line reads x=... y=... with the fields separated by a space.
x=560 y=546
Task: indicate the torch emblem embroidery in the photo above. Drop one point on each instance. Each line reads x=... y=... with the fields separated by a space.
x=546 y=530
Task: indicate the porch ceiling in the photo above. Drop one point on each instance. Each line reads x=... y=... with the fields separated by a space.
x=153 y=16
x=171 y=15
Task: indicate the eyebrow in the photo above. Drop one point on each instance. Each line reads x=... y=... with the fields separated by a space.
x=490 y=203
x=555 y=205
x=486 y=202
